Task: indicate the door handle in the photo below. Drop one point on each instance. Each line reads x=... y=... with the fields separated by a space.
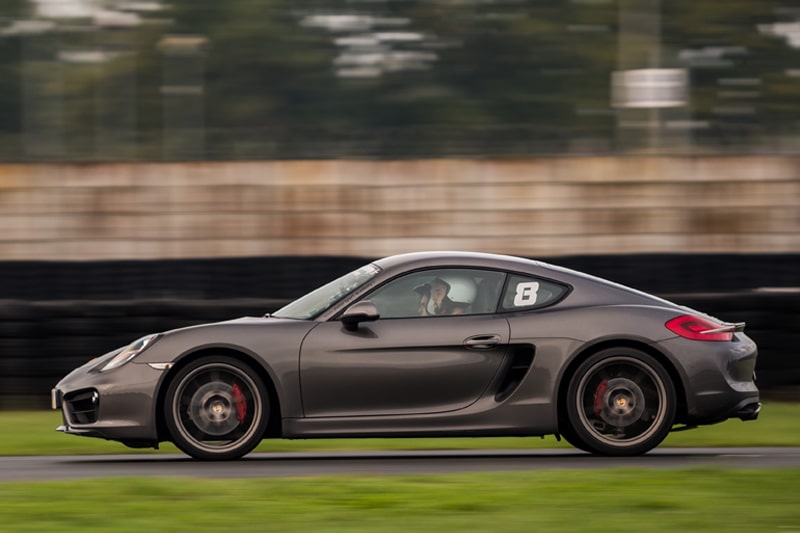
x=482 y=342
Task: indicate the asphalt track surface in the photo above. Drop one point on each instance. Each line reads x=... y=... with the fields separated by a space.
x=382 y=463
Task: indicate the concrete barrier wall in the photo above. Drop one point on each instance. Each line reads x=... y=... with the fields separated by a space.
x=535 y=207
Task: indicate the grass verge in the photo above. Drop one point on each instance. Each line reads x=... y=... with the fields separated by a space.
x=622 y=500
x=600 y=500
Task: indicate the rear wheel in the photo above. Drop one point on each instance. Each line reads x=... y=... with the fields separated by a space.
x=571 y=437
x=216 y=408
x=620 y=401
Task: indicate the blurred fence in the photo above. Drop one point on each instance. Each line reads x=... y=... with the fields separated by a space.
x=55 y=316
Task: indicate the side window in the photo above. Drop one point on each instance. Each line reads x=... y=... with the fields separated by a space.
x=439 y=292
x=524 y=292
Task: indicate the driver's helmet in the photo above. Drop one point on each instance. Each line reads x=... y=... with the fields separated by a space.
x=462 y=288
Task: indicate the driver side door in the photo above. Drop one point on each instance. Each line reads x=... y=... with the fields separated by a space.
x=404 y=363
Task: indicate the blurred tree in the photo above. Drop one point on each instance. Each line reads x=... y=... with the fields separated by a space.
x=266 y=76
x=743 y=89
x=465 y=77
x=330 y=78
x=11 y=12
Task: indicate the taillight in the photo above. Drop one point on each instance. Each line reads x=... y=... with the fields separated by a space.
x=702 y=329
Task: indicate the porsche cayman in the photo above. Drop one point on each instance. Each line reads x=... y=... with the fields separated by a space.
x=426 y=344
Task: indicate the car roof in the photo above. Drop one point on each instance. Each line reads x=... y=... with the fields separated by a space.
x=455 y=258
x=395 y=264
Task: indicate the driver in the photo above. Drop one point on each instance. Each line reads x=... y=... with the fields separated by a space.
x=434 y=300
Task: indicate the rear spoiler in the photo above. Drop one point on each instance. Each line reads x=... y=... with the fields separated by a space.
x=737 y=327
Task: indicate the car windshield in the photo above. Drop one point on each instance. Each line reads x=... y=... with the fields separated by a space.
x=316 y=302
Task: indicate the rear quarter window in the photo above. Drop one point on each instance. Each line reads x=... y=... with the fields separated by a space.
x=523 y=292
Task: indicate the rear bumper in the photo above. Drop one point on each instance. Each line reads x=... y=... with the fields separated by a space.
x=718 y=379
x=748 y=411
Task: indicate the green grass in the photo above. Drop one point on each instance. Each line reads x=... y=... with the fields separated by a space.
x=618 y=500
x=621 y=500
x=33 y=433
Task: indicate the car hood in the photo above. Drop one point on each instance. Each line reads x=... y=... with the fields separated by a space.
x=243 y=322
x=253 y=335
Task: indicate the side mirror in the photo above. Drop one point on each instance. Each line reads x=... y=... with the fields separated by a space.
x=364 y=311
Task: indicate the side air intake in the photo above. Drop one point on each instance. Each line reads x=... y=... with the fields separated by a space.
x=521 y=361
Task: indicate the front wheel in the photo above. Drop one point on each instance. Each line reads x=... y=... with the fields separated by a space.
x=620 y=401
x=216 y=408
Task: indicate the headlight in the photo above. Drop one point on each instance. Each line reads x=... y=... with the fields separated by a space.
x=129 y=352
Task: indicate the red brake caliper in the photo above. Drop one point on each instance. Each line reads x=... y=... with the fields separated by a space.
x=602 y=387
x=241 y=403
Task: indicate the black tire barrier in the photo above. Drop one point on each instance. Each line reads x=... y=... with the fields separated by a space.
x=57 y=336
x=691 y=273
x=286 y=277
x=173 y=279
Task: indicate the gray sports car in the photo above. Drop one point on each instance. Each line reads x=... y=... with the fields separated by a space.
x=426 y=344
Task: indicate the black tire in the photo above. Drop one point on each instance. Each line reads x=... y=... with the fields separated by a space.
x=620 y=401
x=216 y=408
x=571 y=437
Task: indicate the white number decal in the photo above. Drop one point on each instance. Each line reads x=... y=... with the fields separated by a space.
x=526 y=293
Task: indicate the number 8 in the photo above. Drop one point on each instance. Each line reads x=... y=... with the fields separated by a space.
x=526 y=293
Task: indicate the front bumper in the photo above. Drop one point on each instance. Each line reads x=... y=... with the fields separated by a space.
x=116 y=405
